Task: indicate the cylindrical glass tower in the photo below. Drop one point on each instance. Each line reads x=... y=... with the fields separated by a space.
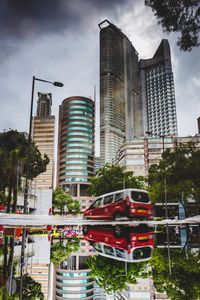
x=76 y=144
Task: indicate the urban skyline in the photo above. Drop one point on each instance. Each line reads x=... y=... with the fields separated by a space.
x=78 y=63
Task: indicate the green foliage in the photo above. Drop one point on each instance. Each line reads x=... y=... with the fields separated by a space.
x=60 y=199
x=60 y=252
x=182 y=16
x=111 y=178
x=183 y=283
x=111 y=275
x=73 y=207
x=13 y=162
x=31 y=288
x=181 y=169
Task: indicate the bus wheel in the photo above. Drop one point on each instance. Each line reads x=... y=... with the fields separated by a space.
x=118 y=231
x=117 y=216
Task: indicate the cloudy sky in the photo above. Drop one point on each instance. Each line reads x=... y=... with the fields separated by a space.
x=58 y=40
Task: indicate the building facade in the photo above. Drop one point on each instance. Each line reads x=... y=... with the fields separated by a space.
x=157 y=92
x=76 y=145
x=73 y=279
x=43 y=136
x=139 y=154
x=120 y=111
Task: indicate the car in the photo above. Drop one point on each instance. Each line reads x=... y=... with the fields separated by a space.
x=131 y=203
x=131 y=244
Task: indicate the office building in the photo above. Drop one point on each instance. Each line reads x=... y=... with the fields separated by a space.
x=43 y=136
x=139 y=154
x=157 y=92
x=73 y=279
x=120 y=106
x=76 y=145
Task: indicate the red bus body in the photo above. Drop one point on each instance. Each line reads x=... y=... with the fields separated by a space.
x=130 y=203
x=128 y=243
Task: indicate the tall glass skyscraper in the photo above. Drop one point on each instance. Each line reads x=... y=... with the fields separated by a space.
x=43 y=136
x=76 y=145
x=120 y=106
x=157 y=92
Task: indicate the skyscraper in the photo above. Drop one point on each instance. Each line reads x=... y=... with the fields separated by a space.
x=157 y=92
x=120 y=106
x=43 y=136
x=75 y=145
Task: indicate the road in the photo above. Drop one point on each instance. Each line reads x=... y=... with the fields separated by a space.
x=42 y=220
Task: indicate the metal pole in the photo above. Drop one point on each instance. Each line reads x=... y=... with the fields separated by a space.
x=29 y=150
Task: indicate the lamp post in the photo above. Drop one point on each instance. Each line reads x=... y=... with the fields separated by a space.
x=24 y=234
x=166 y=210
x=58 y=84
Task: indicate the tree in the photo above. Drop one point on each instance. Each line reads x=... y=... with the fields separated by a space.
x=183 y=283
x=74 y=207
x=111 y=275
x=181 y=169
x=60 y=252
x=14 y=164
x=111 y=178
x=61 y=199
x=31 y=288
x=182 y=16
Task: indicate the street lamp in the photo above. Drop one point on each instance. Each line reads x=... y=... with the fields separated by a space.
x=24 y=233
x=166 y=209
x=55 y=83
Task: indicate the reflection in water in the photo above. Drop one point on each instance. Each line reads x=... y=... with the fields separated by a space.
x=88 y=263
x=131 y=244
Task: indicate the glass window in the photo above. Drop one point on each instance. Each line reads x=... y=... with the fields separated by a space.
x=108 y=250
x=108 y=199
x=120 y=253
x=140 y=197
x=97 y=203
x=96 y=246
x=119 y=196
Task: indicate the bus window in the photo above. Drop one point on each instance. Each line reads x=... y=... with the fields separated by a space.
x=97 y=203
x=140 y=197
x=96 y=246
x=108 y=199
x=119 y=196
x=108 y=250
x=120 y=253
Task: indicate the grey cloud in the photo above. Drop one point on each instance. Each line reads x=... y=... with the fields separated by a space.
x=20 y=18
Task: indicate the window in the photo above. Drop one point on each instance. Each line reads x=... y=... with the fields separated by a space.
x=108 y=199
x=97 y=203
x=108 y=250
x=140 y=197
x=119 y=196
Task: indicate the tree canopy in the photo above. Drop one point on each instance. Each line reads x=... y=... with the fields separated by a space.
x=181 y=169
x=60 y=252
x=62 y=199
x=182 y=16
x=113 y=177
x=13 y=163
x=31 y=288
x=112 y=275
x=183 y=283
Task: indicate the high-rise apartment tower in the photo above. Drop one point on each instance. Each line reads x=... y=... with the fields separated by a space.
x=75 y=145
x=43 y=136
x=120 y=106
x=157 y=92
